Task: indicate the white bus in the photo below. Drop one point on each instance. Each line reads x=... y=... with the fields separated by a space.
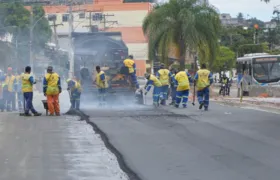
x=260 y=68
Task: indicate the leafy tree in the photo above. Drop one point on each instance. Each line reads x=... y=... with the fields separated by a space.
x=225 y=60
x=240 y=17
x=185 y=25
x=16 y=18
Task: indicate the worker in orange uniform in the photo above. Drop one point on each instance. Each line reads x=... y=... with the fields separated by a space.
x=52 y=89
x=130 y=65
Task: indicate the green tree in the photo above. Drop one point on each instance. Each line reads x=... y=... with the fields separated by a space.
x=240 y=17
x=17 y=18
x=184 y=24
x=225 y=60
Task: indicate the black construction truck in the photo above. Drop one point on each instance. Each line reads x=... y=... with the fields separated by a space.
x=107 y=50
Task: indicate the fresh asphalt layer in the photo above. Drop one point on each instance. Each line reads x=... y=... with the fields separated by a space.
x=225 y=143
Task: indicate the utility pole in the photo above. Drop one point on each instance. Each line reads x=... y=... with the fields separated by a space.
x=31 y=40
x=71 y=51
x=55 y=33
x=56 y=40
x=104 y=17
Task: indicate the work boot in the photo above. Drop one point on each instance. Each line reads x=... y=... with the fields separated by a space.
x=172 y=103
x=25 y=114
x=51 y=114
x=37 y=114
x=184 y=106
x=176 y=106
x=57 y=114
x=201 y=105
x=205 y=108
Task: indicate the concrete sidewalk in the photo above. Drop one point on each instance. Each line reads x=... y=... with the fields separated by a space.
x=57 y=148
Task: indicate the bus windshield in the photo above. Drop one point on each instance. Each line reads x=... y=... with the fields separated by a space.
x=266 y=70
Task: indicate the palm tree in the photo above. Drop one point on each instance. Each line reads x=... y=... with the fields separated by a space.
x=187 y=24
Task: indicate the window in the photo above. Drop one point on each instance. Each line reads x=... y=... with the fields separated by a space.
x=97 y=16
x=52 y=17
x=65 y=17
x=82 y=15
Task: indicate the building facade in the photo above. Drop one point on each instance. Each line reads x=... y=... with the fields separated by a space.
x=105 y=15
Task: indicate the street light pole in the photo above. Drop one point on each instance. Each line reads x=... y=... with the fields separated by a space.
x=71 y=51
x=31 y=40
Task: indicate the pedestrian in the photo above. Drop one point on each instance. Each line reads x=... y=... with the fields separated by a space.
x=183 y=80
x=9 y=90
x=153 y=81
x=164 y=76
x=173 y=87
x=130 y=65
x=27 y=90
x=102 y=85
x=52 y=89
x=75 y=93
x=203 y=80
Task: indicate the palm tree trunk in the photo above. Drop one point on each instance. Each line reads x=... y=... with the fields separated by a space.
x=182 y=58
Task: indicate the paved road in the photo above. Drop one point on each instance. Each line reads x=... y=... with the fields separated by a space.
x=53 y=148
x=226 y=143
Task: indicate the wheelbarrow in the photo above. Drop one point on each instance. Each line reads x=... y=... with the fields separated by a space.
x=45 y=104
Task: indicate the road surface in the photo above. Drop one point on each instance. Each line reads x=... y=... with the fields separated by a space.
x=53 y=148
x=225 y=143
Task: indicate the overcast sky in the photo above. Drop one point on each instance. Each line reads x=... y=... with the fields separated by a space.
x=255 y=8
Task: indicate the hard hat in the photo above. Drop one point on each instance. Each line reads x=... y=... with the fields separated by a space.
x=68 y=80
x=162 y=66
x=10 y=68
x=130 y=56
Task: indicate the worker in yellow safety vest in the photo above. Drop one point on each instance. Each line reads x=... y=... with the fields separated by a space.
x=203 y=80
x=102 y=85
x=52 y=89
x=183 y=80
x=153 y=81
x=9 y=90
x=27 y=90
x=75 y=93
x=130 y=65
x=164 y=76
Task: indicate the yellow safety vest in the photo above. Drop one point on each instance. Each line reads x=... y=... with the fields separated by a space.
x=26 y=84
x=164 y=76
x=99 y=82
x=129 y=64
x=52 y=83
x=78 y=86
x=9 y=81
x=183 y=81
x=155 y=80
x=203 y=79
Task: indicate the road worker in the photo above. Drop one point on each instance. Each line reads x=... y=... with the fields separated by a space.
x=203 y=80
x=9 y=90
x=27 y=90
x=52 y=89
x=75 y=93
x=130 y=65
x=153 y=81
x=164 y=76
x=183 y=80
x=102 y=85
